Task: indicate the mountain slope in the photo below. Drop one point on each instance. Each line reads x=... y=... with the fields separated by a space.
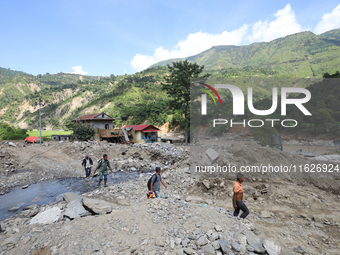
x=299 y=55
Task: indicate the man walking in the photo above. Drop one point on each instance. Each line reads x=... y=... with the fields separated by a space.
x=87 y=163
x=102 y=166
x=238 y=196
x=156 y=181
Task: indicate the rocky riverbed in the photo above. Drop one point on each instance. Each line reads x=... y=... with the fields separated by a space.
x=193 y=216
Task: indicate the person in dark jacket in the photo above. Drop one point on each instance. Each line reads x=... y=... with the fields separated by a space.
x=87 y=163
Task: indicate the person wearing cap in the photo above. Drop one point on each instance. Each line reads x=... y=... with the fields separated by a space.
x=87 y=163
x=156 y=181
x=238 y=203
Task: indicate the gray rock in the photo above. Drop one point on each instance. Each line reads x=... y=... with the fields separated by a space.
x=57 y=200
x=224 y=243
x=160 y=242
x=236 y=247
x=213 y=237
x=25 y=186
x=185 y=242
x=218 y=228
x=202 y=241
x=208 y=249
x=216 y=245
x=30 y=207
x=70 y=196
x=255 y=242
x=97 y=206
x=206 y=183
x=178 y=241
x=188 y=251
x=265 y=214
x=194 y=199
x=250 y=248
x=12 y=144
x=271 y=247
x=299 y=249
x=47 y=217
x=14 y=209
x=172 y=244
x=197 y=225
x=212 y=154
x=75 y=209
x=13 y=240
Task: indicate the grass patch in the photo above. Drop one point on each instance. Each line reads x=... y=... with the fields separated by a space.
x=46 y=135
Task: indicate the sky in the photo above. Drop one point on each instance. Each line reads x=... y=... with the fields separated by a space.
x=107 y=37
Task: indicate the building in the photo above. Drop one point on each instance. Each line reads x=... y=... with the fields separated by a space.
x=60 y=137
x=97 y=120
x=145 y=133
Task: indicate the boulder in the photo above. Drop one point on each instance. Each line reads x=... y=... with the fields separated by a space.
x=255 y=242
x=75 y=209
x=224 y=243
x=70 y=196
x=97 y=206
x=14 y=209
x=208 y=249
x=236 y=247
x=47 y=217
x=271 y=247
x=201 y=241
x=212 y=154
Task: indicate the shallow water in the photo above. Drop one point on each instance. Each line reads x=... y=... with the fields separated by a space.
x=43 y=192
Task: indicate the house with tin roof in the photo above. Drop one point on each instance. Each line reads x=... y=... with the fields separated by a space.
x=97 y=120
x=145 y=133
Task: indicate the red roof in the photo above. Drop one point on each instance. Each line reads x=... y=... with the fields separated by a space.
x=144 y=128
x=92 y=117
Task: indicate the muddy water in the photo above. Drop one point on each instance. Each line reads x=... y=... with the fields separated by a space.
x=43 y=192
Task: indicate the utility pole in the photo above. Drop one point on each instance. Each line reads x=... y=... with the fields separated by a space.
x=40 y=104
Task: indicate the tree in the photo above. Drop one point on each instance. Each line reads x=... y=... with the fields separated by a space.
x=178 y=86
x=113 y=77
x=83 y=131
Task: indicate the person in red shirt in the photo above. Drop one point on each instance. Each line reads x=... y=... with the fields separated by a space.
x=238 y=203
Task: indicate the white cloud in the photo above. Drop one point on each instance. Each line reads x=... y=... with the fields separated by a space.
x=329 y=21
x=193 y=44
x=78 y=70
x=284 y=24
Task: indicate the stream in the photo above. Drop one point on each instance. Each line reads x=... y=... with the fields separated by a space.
x=43 y=192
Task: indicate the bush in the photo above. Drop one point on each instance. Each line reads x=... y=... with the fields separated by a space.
x=30 y=129
x=83 y=131
x=8 y=132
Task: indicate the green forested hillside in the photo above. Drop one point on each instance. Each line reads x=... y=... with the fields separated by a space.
x=131 y=99
x=300 y=55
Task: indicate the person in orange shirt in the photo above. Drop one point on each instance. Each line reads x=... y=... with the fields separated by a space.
x=238 y=204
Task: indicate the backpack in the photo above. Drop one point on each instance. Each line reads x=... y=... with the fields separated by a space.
x=149 y=181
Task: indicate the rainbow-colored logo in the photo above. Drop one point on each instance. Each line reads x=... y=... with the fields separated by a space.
x=209 y=93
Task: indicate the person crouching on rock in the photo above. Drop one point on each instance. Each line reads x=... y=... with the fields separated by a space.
x=103 y=164
x=238 y=196
x=156 y=181
x=87 y=163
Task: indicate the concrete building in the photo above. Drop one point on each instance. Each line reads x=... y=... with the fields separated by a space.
x=97 y=120
x=145 y=133
x=60 y=137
